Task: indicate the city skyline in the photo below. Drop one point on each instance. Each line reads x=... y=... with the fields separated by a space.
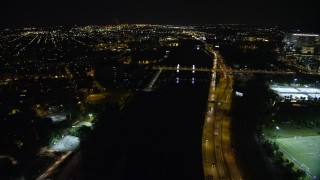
x=37 y=13
x=145 y=99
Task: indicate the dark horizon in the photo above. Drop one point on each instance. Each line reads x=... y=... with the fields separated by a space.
x=292 y=28
x=59 y=13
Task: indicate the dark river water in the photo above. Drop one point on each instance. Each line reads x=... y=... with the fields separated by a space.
x=159 y=135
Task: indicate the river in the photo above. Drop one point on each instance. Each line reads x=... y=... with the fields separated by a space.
x=159 y=134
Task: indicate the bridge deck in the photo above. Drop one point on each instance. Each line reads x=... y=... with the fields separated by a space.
x=168 y=68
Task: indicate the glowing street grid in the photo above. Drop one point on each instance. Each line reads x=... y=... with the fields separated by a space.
x=67 y=143
x=296 y=92
x=305 y=151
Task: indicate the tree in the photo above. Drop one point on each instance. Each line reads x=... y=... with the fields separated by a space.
x=289 y=166
x=300 y=174
x=278 y=156
x=83 y=132
x=275 y=146
x=44 y=127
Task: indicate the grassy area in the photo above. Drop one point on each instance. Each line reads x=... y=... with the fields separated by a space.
x=303 y=151
x=299 y=144
x=288 y=130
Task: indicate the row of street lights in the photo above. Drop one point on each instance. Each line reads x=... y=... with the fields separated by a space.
x=295 y=82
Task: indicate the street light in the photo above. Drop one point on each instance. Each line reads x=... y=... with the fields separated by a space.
x=295 y=81
x=90 y=115
x=275 y=131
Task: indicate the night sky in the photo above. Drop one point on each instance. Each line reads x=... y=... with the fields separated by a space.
x=70 y=12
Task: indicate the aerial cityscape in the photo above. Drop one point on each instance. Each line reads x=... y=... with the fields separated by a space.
x=112 y=91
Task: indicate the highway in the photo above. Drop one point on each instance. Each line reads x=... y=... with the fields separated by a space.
x=208 y=158
x=217 y=152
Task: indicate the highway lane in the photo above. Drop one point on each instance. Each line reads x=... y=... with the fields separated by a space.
x=208 y=147
x=226 y=134
x=224 y=98
x=218 y=116
x=218 y=159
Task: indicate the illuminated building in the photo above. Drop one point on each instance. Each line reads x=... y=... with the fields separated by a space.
x=298 y=43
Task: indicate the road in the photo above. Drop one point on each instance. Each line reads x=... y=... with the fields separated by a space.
x=72 y=167
x=208 y=158
x=53 y=167
x=217 y=152
x=226 y=70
